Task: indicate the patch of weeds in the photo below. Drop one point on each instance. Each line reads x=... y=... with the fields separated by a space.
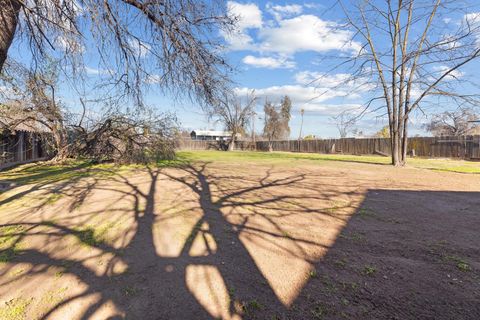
x=67 y=264
x=369 y=270
x=8 y=254
x=285 y=234
x=329 y=284
x=461 y=264
x=50 y=223
x=345 y=302
x=341 y=263
x=15 y=309
x=319 y=311
x=349 y=286
x=231 y=292
x=15 y=273
x=130 y=291
x=313 y=274
x=88 y=237
x=9 y=234
x=54 y=296
x=336 y=205
x=91 y=236
x=252 y=306
x=54 y=197
x=366 y=212
x=354 y=236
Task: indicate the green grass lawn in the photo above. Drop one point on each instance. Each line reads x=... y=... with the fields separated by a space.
x=290 y=157
x=45 y=172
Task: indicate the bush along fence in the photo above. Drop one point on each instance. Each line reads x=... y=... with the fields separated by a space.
x=463 y=147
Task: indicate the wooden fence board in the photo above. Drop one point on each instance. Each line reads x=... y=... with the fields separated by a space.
x=464 y=147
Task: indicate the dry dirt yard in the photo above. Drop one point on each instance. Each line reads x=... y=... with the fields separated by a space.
x=251 y=238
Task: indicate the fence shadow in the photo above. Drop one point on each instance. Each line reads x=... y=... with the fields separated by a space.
x=402 y=254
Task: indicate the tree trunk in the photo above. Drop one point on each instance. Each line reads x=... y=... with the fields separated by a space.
x=405 y=141
x=231 y=145
x=395 y=148
x=9 y=11
x=60 y=143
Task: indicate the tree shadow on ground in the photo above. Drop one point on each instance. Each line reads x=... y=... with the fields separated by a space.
x=391 y=260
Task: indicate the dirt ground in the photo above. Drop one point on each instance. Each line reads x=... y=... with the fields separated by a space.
x=247 y=240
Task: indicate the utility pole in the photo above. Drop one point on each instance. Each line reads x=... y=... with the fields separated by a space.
x=253 y=131
x=302 y=111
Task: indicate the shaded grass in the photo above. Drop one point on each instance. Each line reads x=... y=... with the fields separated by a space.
x=448 y=165
x=9 y=245
x=46 y=172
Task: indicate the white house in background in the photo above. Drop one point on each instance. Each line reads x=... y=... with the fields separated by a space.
x=212 y=135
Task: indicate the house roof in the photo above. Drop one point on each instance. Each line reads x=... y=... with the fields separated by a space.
x=212 y=133
x=12 y=117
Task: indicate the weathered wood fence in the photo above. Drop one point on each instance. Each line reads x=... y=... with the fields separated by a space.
x=464 y=147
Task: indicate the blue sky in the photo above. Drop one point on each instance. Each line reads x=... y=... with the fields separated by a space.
x=277 y=50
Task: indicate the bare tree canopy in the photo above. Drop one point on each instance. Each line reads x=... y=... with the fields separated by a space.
x=454 y=123
x=409 y=55
x=172 y=43
x=233 y=113
x=140 y=136
x=344 y=121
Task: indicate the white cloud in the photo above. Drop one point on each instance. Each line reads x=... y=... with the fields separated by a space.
x=343 y=82
x=306 y=33
x=280 y=12
x=153 y=79
x=309 y=98
x=268 y=62
x=312 y=5
x=238 y=40
x=249 y=15
x=140 y=49
x=322 y=79
x=332 y=109
x=455 y=74
x=289 y=33
x=69 y=44
x=472 y=18
x=95 y=71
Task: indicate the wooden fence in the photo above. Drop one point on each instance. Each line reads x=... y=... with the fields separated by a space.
x=464 y=147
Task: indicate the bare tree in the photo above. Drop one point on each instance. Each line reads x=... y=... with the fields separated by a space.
x=409 y=55
x=172 y=43
x=126 y=138
x=234 y=114
x=345 y=122
x=453 y=123
x=35 y=103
